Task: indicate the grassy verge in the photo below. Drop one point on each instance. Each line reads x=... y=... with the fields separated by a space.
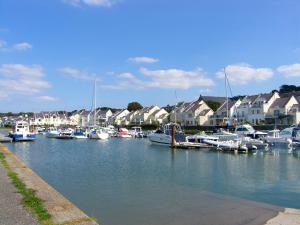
x=30 y=200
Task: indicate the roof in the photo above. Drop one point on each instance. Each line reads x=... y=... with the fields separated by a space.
x=212 y=99
x=289 y=94
x=224 y=106
x=204 y=112
x=280 y=102
x=193 y=106
x=266 y=96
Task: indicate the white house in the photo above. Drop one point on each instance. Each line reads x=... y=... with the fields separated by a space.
x=117 y=117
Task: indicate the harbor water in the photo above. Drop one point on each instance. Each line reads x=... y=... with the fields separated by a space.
x=130 y=181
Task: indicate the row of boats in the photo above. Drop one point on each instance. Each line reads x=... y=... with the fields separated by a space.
x=22 y=132
x=244 y=138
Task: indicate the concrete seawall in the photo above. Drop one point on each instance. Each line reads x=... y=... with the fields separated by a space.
x=60 y=208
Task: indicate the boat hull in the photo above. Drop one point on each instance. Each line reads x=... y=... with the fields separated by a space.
x=22 y=137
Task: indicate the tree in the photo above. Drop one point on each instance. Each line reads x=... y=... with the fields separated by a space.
x=288 y=88
x=213 y=105
x=133 y=106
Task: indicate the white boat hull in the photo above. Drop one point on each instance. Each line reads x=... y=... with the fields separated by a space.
x=160 y=139
x=98 y=135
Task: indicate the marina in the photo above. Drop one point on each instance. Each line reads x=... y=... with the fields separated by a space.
x=146 y=184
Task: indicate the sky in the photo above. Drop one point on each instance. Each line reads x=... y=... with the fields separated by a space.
x=156 y=52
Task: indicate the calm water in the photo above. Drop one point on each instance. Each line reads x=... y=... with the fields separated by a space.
x=132 y=182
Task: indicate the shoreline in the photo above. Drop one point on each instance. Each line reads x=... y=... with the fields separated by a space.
x=62 y=211
x=65 y=212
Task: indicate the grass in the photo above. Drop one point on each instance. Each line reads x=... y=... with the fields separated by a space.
x=30 y=200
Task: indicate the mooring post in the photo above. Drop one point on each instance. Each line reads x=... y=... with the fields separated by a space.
x=173 y=137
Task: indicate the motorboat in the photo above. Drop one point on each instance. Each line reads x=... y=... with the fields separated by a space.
x=21 y=132
x=110 y=130
x=229 y=145
x=224 y=135
x=163 y=136
x=137 y=132
x=288 y=136
x=65 y=134
x=123 y=133
x=79 y=133
x=248 y=130
x=200 y=137
x=98 y=133
x=52 y=132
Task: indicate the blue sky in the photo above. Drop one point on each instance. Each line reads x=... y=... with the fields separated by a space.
x=142 y=50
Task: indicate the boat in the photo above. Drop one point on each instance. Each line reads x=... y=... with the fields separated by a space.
x=95 y=132
x=248 y=130
x=110 y=130
x=289 y=136
x=65 y=134
x=98 y=133
x=52 y=132
x=21 y=132
x=224 y=135
x=200 y=137
x=163 y=136
x=79 y=133
x=123 y=133
x=229 y=145
x=137 y=132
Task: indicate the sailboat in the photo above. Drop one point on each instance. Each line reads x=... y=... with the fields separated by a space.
x=96 y=132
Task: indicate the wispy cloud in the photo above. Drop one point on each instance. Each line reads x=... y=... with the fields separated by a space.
x=46 y=98
x=292 y=70
x=97 y=3
x=77 y=74
x=22 y=79
x=22 y=46
x=143 y=59
x=163 y=79
x=244 y=73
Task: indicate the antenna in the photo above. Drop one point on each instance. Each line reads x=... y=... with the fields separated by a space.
x=226 y=93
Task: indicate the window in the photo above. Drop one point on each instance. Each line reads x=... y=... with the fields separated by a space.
x=276 y=112
x=258 y=111
x=252 y=111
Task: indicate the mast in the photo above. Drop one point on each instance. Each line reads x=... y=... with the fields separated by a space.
x=175 y=107
x=226 y=93
x=94 y=103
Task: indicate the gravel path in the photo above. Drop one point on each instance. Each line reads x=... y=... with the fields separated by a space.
x=11 y=209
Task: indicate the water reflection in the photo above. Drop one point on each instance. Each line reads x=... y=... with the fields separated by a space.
x=133 y=177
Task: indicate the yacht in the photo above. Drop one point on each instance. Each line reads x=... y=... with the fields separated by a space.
x=137 y=132
x=163 y=136
x=289 y=136
x=65 y=134
x=248 y=130
x=98 y=133
x=52 y=132
x=79 y=133
x=200 y=137
x=21 y=132
x=110 y=130
x=123 y=133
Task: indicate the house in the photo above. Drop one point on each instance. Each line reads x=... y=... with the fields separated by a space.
x=254 y=108
x=103 y=116
x=142 y=115
x=117 y=117
x=283 y=111
x=158 y=116
x=219 y=118
x=85 y=118
x=128 y=118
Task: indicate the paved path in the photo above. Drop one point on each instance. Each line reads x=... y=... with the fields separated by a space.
x=11 y=209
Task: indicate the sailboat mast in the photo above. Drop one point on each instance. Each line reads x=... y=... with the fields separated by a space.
x=95 y=108
x=226 y=94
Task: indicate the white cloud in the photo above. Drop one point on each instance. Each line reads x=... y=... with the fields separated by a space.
x=143 y=59
x=98 y=3
x=22 y=79
x=77 y=74
x=22 y=46
x=46 y=98
x=164 y=79
x=292 y=70
x=244 y=73
x=177 y=79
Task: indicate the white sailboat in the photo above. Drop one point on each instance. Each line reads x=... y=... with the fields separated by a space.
x=96 y=132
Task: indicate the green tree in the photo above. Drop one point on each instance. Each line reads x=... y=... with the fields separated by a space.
x=213 y=105
x=133 y=106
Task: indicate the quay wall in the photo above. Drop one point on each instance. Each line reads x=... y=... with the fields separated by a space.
x=61 y=209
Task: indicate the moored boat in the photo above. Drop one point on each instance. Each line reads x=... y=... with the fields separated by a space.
x=123 y=133
x=79 y=133
x=52 y=132
x=21 y=132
